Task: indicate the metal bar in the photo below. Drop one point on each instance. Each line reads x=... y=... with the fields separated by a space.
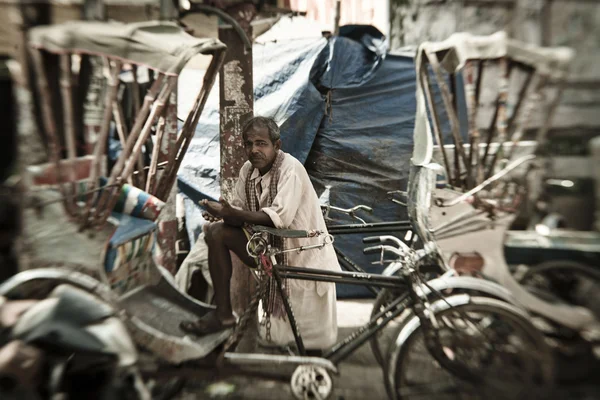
x=48 y=121
x=336 y=18
x=437 y=130
x=386 y=224
x=501 y=119
x=120 y=122
x=140 y=119
x=371 y=278
x=474 y=170
x=100 y=147
x=115 y=174
x=347 y=281
x=135 y=87
x=521 y=97
x=450 y=110
x=492 y=128
x=120 y=125
x=378 y=227
x=160 y=130
x=457 y=164
x=261 y=359
x=541 y=134
x=350 y=265
x=45 y=203
x=157 y=109
x=69 y=124
x=67 y=98
x=187 y=132
x=374 y=230
x=290 y=313
x=357 y=338
x=478 y=81
x=525 y=120
x=485 y=183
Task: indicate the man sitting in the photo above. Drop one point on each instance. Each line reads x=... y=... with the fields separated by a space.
x=273 y=190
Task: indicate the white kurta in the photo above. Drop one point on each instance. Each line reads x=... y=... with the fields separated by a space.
x=296 y=206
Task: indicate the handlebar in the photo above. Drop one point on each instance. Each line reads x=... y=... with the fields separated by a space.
x=401 y=193
x=349 y=211
x=387 y=238
x=384 y=247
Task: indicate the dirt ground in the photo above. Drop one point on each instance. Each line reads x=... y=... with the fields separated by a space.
x=360 y=377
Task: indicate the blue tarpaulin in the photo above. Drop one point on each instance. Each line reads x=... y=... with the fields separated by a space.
x=346 y=109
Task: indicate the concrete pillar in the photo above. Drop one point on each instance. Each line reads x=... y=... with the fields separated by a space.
x=236 y=107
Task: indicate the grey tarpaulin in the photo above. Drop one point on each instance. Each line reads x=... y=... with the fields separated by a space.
x=346 y=109
x=159 y=45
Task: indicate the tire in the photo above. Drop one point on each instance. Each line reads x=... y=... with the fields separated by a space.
x=378 y=341
x=381 y=340
x=384 y=297
x=577 y=284
x=569 y=281
x=474 y=369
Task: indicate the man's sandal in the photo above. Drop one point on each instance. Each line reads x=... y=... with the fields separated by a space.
x=206 y=325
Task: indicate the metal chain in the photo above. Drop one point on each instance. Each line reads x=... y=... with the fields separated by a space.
x=267 y=323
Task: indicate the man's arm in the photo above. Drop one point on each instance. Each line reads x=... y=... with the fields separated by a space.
x=236 y=217
x=239 y=217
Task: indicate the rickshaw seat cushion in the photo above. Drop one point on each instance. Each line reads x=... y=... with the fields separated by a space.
x=133 y=238
x=137 y=203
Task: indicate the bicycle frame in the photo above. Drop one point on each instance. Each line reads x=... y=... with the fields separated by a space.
x=346 y=346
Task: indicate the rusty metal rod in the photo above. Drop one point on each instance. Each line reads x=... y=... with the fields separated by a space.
x=131 y=141
x=541 y=134
x=120 y=125
x=480 y=68
x=135 y=86
x=160 y=130
x=100 y=146
x=492 y=126
x=520 y=99
x=48 y=121
x=448 y=104
x=523 y=122
x=168 y=177
x=66 y=86
x=136 y=109
x=157 y=108
x=427 y=88
x=501 y=118
x=474 y=171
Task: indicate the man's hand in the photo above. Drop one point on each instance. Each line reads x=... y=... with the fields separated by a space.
x=221 y=210
x=210 y=218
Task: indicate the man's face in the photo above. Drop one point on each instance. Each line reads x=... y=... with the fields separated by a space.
x=260 y=150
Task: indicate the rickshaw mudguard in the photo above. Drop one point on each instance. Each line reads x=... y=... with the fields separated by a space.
x=472 y=284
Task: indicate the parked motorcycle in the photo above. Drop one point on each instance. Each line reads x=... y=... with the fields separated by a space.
x=69 y=345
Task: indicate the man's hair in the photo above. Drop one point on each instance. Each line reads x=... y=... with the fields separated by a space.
x=263 y=122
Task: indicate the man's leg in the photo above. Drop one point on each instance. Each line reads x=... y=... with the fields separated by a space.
x=221 y=239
